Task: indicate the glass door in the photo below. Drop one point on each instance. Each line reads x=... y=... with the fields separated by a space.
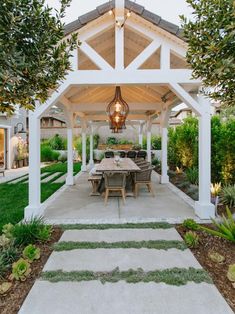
x=2 y=148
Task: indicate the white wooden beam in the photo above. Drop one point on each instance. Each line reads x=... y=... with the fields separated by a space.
x=144 y=55
x=133 y=77
x=165 y=59
x=95 y=57
x=186 y=98
x=119 y=34
x=93 y=32
x=100 y=107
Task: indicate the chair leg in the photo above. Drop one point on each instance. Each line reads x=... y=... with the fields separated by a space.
x=123 y=196
x=106 y=196
x=151 y=189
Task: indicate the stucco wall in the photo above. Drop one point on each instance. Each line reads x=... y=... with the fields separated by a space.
x=19 y=117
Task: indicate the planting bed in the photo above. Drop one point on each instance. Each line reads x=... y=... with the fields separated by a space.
x=11 y=303
x=218 y=271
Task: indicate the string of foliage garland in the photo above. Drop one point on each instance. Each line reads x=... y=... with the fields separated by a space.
x=183 y=147
x=34 y=55
x=211 y=54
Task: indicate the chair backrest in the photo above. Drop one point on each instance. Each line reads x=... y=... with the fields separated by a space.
x=142 y=154
x=109 y=154
x=115 y=180
x=144 y=175
x=122 y=154
x=144 y=165
x=131 y=154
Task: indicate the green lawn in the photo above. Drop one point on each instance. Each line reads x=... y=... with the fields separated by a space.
x=14 y=197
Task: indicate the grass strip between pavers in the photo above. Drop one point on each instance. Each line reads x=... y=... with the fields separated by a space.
x=152 y=244
x=173 y=276
x=147 y=225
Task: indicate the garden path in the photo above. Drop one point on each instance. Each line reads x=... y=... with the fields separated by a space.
x=89 y=273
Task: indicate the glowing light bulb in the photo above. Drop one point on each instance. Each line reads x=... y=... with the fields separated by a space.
x=118 y=107
x=117 y=119
x=128 y=14
x=110 y=12
x=118 y=23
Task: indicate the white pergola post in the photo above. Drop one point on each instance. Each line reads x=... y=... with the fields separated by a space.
x=70 y=178
x=149 y=141
x=91 y=162
x=84 y=167
x=34 y=208
x=141 y=127
x=204 y=208
x=164 y=158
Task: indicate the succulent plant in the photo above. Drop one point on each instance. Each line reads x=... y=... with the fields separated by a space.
x=4 y=241
x=5 y=287
x=190 y=224
x=231 y=273
x=216 y=257
x=31 y=252
x=20 y=270
x=7 y=230
x=191 y=239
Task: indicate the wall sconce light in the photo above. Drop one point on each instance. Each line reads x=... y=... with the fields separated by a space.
x=21 y=130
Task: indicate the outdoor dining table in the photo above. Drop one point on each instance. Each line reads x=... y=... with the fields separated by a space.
x=126 y=165
x=109 y=165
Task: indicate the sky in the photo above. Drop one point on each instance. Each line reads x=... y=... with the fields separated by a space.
x=167 y=9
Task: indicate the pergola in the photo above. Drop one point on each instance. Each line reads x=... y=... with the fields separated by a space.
x=143 y=54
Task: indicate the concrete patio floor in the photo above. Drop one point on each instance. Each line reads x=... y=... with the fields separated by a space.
x=75 y=205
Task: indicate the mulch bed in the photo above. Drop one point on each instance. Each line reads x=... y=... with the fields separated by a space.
x=218 y=272
x=11 y=303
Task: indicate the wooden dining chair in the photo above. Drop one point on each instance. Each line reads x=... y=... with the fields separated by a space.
x=115 y=182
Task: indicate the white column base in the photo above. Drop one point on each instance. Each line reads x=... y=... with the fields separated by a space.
x=84 y=168
x=164 y=179
x=91 y=164
x=33 y=211
x=204 y=211
x=70 y=181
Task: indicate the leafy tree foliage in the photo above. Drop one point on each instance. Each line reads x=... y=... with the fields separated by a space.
x=211 y=40
x=34 y=55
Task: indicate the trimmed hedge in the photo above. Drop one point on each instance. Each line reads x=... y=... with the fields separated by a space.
x=183 y=147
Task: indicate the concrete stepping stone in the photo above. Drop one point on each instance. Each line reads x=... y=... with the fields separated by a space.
x=93 y=297
x=53 y=175
x=125 y=259
x=61 y=179
x=119 y=235
x=43 y=175
x=18 y=180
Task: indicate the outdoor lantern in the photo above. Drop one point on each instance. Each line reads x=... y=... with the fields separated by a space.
x=117 y=112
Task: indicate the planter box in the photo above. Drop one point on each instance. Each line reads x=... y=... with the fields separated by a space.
x=117 y=147
x=20 y=163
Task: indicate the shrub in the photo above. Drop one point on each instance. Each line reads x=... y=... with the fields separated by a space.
x=231 y=273
x=155 y=162
x=216 y=257
x=7 y=230
x=191 y=239
x=96 y=141
x=228 y=195
x=62 y=158
x=31 y=253
x=31 y=232
x=7 y=256
x=224 y=229
x=112 y=141
x=20 y=270
x=137 y=147
x=124 y=141
x=190 y=224
x=4 y=241
x=156 y=142
x=58 y=143
x=192 y=175
x=47 y=154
